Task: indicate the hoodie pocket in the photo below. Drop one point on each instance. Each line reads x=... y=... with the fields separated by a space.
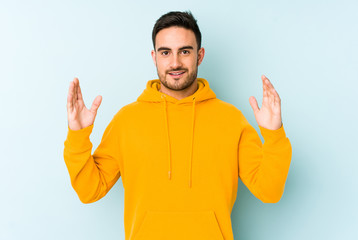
x=194 y=225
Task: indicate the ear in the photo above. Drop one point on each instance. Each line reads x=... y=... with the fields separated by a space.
x=201 y=54
x=154 y=57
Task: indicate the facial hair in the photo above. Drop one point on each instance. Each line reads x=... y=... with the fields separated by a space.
x=184 y=83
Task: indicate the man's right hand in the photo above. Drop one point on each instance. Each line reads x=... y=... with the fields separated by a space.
x=78 y=115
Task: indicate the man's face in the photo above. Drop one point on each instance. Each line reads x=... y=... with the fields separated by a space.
x=176 y=57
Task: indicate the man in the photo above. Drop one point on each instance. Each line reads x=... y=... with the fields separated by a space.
x=179 y=149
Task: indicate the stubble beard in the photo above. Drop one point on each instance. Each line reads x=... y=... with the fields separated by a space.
x=178 y=84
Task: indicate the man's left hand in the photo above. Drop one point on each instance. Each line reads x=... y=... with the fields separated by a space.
x=269 y=116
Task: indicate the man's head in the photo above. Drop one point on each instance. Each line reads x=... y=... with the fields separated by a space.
x=177 y=50
x=179 y=19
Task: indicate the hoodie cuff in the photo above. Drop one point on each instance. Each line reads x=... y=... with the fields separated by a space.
x=79 y=139
x=273 y=136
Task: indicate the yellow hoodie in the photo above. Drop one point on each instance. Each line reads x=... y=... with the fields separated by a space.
x=180 y=162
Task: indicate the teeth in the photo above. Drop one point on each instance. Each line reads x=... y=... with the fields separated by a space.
x=176 y=73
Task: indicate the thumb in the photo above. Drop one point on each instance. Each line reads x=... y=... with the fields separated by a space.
x=96 y=103
x=253 y=104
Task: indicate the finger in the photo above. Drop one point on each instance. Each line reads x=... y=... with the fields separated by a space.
x=76 y=89
x=267 y=82
x=75 y=93
x=80 y=101
x=79 y=93
x=70 y=96
x=96 y=103
x=254 y=104
x=263 y=77
x=273 y=95
x=271 y=92
x=265 y=91
x=277 y=98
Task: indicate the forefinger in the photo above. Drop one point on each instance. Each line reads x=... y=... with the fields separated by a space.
x=70 y=95
x=267 y=82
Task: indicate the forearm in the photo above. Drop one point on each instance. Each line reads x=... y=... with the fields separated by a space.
x=276 y=161
x=265 y=166
x=87 y=176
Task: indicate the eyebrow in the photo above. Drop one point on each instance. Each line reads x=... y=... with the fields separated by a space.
x=182 y=48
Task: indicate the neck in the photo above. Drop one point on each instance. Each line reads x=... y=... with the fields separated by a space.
x=182 y=93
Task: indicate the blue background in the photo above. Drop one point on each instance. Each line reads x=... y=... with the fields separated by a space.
x=308 y=49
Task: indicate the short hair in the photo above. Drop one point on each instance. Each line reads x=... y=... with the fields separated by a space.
x=179 y=19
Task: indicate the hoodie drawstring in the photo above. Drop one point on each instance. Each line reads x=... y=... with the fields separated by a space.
x=192 y=142
x=168 y=139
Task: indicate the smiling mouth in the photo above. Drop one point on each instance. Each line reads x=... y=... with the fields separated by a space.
x=177 y=73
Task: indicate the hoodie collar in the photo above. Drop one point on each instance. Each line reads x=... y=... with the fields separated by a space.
x=152 y=94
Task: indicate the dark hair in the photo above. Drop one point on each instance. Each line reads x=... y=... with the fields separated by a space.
x=179 y=19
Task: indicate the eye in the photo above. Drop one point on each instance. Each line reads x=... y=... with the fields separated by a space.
x=185 y=52
x=164 y=53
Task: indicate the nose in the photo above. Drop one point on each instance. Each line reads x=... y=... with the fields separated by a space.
x=176 y=62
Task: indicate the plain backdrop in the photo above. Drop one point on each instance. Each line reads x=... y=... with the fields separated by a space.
x=308 y=49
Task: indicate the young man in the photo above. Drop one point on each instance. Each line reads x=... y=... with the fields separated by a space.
x=179 y=149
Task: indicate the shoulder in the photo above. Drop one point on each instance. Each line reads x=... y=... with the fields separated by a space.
x=128 y=108
x=230 y=112
x=226 y=107
x=125 y=112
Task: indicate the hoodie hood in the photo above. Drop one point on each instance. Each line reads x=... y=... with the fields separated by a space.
x=152 y=94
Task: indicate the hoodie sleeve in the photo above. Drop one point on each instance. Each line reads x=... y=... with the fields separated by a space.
x=263 y=168
x=92 y=176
